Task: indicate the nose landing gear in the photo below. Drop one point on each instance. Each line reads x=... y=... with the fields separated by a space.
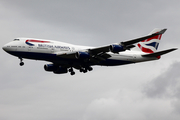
x=21 y=61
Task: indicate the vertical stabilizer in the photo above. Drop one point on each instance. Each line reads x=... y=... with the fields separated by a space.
x=150 y=45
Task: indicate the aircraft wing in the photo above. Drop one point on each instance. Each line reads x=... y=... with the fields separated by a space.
x=75 y=55
x=143 y=38
x=70 y=55
x=125 y=45
x=100 y=53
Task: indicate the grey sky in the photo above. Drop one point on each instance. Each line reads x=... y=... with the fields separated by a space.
x=165 y=85
x=142 y=91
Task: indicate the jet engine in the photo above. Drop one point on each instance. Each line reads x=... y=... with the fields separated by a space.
x=116 y=48
x=49 y=67
x=55 y=69
x=82 y=55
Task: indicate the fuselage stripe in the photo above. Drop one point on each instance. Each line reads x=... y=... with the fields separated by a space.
x=37 y=41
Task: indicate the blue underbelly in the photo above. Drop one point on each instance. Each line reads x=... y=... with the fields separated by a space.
x=55 y=59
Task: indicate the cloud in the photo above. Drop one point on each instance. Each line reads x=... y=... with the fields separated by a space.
x=103 y=109
x=127 y=105
x=166 y=84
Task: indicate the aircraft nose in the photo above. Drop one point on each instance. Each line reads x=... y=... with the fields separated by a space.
x=4 y=48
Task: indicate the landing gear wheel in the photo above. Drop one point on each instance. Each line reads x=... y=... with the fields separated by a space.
x=85 y=71
x=21 y=63
x=72 y=73
x=81 y=70
x=90 y=68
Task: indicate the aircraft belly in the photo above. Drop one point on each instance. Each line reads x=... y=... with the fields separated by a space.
x=114 y=60
x=118 y=60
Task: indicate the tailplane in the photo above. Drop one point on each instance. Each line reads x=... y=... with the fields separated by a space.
x=158 y=54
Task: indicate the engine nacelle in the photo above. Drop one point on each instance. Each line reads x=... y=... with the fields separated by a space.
x=49 y=67
x=55 y=69
x=82 y=55
x=116 y=48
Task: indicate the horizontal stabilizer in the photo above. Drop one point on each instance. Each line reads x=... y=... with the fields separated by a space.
x=159 y=53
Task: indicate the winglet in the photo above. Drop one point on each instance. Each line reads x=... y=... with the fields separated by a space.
x=157 y=31
x=162 y=31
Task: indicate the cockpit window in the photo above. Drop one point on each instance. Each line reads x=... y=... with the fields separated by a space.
x=16 y=40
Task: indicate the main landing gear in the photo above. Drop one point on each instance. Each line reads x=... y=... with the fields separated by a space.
x=86 y=69
x=83 y=70
x=21 y=61
x=71 y=71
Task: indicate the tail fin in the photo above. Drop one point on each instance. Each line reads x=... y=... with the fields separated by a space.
x=150 y=45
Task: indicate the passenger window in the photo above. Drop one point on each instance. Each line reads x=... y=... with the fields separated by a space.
x=16 y=40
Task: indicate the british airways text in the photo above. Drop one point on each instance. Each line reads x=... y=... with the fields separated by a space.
x=54 y=46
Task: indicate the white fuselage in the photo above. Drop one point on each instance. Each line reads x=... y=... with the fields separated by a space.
x=40 y=49
x=64 y=57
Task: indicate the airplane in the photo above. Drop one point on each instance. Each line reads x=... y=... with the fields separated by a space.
x=64 y=57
